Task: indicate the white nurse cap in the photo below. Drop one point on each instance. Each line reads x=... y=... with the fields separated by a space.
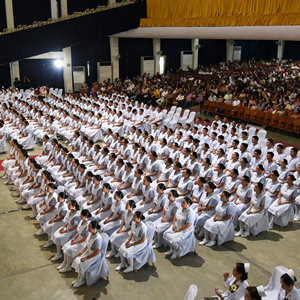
x=291 y=273
x=247 y=267
x=261 y=291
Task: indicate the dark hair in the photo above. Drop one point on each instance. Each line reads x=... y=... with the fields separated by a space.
x=221 y=166
x=275 y=172
x=179 y=165
x=246 y=178
x=253 y=292
x=288 y=280
x=119 y=194
x=292 y=177
x=174 y=193
x=75 y=204
x=63 y=195
x=255 y=137
x=131 y=204
x=258 y=151
x=86 y=213
x=139 y=215
x=95 y=225
x=129 y=165
x=98 y=177
x=295 y=149
x=161 y=186
x=211 y=185
x=227 y=194
x=260 y=185
x=240 y=268
x=207 y=160
x=261 y=167
x=271 y=153
x=52 y=186
x=154 y=154
x=188 y=200
x=148 y=178
x=107 y=185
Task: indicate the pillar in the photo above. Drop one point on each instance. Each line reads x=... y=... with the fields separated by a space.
x=68 y=76
x=156 y=48
x=14 y=71
x=195 y=43
x=280 y=49
x=229 y=50
x=54 y=11
x=114 y=51
x=64 y=7
x=111 y=2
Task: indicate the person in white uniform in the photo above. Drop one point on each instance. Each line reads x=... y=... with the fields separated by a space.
x=286 y=198
x=254 y=293
x=136 y=241
x=162 y=224
x=160 y=198
x=94 y=200
x=122 y=234
x=232 y=183
x=254 y=213
x=76 y=244
x=148 y=196
x=178 y=235
x=61 y=236
x=198 y=190
x=288 y=289
x=219 y=222
x=114 y=219
x=272 y=188
x=236 y=284
x=58 y=220
x=136 y=193
x=89 y=255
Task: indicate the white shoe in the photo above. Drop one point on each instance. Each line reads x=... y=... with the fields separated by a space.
x=26 y=206
x=74 y=281
x=270 y=226
x=13 y=188
x=239 y=233
x=297 y=218
x=157 y=246
x=40 y=232
x=174 y=255
x=32 y=216
x=17 y=201
x=65 y=270
x=56 y=257
x=22 y=201
x=120 y=267
x=117 y=255
x=245 y=234
x=205 y=241
x=170 y=252
x=61 y=266
x=4 y=176
x=16 y=194
x=128 y=270
x=211 y=243
x=110 y=254
x=153 y=242
x=48 y=244
x=8 y=182
x=79 y=283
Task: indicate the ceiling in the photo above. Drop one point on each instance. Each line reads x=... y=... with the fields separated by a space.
x=287 y=33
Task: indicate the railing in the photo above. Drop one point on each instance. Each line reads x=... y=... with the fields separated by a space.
x=88 y=11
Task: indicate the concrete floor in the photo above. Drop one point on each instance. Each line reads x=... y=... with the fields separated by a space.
x=26 y=271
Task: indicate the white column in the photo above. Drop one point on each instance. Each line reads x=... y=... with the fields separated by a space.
x=9 y=14
x=14 y=71
x=111 y=2
x=67 y=63
x=195 y=42
x=54 y=11
x=114 y=51
x=64 y=7
x=156 y=48
x=280 y=49
x=229 y=50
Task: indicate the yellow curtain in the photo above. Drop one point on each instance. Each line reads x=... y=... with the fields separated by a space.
x=195 y=13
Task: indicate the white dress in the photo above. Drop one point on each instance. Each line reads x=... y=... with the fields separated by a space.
x=119 y=238
x=159 y=200
x=210 y=200
x=240 y=292
x=243 y=195
x=147 y=193
x=92 y=243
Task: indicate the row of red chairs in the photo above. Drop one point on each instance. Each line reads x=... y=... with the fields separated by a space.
x=282 y=122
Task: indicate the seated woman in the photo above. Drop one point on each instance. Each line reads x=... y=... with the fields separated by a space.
x=114 y=219
x=206 y=207
x=88 y=255
x=219 y=178
x=111 y=167
x=272 y=188
x=136 y=192
x=105 y=207
x=166 y=170
x=159 y=200
x=232 y=183
x=68 y=230
x=254 y=213
x=94 y=200
x=258 y=176
x=154 y=167
x=237 y=283
x=283 y=171
x=219 y=222
x=243 y=168
x=182 y=230
x=255 y=293
x=288 y=290
x=174 y=177
x=206 y=171
x=233 y=163
x=58 y=220
x=142 y=160
x=118 y=173
x=162 y=224
x=47 y=208
x=121 y=235
x=185 y=185
x=136 y=241
x=148 y=195
x=198 y=190
x=83 y=198
x=126 y=180
x=76 y=244
x=243 y=196
x=286 y=198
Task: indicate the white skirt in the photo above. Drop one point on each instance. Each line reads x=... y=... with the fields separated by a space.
x=176 y=238
x=152 y=217
x=119 y=238
x=46 y=217
x=110 y=227
x=161 y=227
x=61 y=238
x=143 y=207
x=8 y=163
x=218 y=227
x=278 y=210
x=73 y=250
x=252 y=219
x=34 y=201
x=131 y=251
x=51 y=228
x=81 y=267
